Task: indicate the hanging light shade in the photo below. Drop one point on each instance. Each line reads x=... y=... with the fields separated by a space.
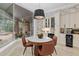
x=39 y=14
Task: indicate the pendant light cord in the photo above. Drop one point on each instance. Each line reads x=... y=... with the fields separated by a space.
x=39 y=4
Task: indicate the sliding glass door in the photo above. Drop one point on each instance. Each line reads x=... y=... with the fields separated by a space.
x=6 y=28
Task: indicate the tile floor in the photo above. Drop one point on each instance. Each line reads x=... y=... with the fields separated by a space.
x=16 y=49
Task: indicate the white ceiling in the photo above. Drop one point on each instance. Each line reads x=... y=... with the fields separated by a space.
x=4 y=6
x=46 y=6
x=8 y=7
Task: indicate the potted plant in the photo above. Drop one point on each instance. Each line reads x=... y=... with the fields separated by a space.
x=40 y=35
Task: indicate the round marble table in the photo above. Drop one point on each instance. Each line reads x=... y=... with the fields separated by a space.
x=36 y=40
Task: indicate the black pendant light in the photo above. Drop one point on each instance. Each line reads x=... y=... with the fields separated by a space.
x=39 y=14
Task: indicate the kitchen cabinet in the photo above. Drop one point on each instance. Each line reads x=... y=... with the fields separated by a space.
x=50 y=23
x=47 y=22
x=62 y=21
x=76 y=40
x=77 y=20
x=65 y=21
x=72 y=20
x=62 y=39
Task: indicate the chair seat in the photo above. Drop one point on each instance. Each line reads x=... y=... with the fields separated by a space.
x=29 y=45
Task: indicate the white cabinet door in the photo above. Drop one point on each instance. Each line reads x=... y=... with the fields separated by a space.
x=62 y=39
x=76 y=40
x=72 y=20
x=67 y=20
x=62 y=20
x=77 y=20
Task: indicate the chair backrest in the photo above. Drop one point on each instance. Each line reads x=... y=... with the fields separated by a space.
x=54 y=40
x=24 y=41
x=47 y=49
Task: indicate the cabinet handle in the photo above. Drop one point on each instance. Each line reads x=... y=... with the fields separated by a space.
x=74 y=25
x=64 y=26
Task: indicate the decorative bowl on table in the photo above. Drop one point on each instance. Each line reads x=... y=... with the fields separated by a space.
x=40 y=36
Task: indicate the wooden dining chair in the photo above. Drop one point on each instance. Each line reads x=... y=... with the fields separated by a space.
x=47 y=49
x=26 y=44
x=54 y=38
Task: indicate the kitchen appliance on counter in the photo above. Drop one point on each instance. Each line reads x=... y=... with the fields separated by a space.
x=75 y=31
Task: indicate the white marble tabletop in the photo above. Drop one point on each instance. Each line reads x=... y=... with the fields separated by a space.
x=36 y=39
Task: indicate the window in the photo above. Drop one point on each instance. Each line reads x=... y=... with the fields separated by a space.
x=52 y=22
